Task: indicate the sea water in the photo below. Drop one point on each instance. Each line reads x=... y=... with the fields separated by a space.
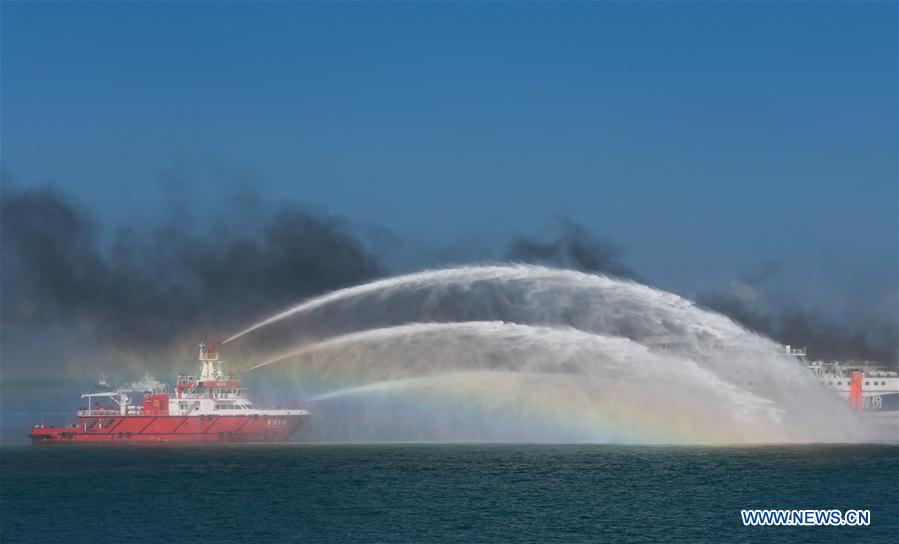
x=440 y=493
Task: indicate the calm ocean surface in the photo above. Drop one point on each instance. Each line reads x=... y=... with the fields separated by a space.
x=439 y=493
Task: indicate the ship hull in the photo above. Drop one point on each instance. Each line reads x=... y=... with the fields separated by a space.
x=877 y=401
x=172 y=429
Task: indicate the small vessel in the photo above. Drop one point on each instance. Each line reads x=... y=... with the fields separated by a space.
x=103 y=384
x=147 y=383
x=211 y=408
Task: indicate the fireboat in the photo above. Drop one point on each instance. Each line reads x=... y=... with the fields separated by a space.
x=211 y=408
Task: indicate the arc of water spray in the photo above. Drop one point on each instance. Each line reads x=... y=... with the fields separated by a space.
x=630 y=313
x=561 y=336
x=385 y=333
x=466 y=273
x=613 y=355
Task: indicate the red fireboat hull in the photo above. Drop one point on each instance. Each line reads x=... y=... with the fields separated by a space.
x=172 y=429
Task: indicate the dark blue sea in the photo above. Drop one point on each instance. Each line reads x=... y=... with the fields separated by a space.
x=439 y=493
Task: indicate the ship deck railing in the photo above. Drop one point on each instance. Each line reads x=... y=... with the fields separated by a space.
x=99 y=412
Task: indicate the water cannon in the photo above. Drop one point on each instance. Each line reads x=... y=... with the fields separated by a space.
x=211 y=367
x=209 y=352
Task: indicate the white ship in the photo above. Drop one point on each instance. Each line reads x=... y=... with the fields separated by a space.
x=876 y=386
x=879 y=385
x=875 y=393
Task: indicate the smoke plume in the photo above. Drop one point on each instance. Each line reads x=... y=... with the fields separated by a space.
x=147 y=291
x=572 y=245
x=139 y=290
x=824 y=337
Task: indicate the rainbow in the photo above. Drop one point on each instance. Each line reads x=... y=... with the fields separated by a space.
x=520 y=407
x=556 y=356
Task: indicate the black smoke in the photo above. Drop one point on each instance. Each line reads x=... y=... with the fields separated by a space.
x=825 y=338
x=146 y=290
x=572 y=245
x=138 y=290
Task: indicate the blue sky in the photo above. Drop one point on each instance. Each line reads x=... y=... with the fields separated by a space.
x=707 y=139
